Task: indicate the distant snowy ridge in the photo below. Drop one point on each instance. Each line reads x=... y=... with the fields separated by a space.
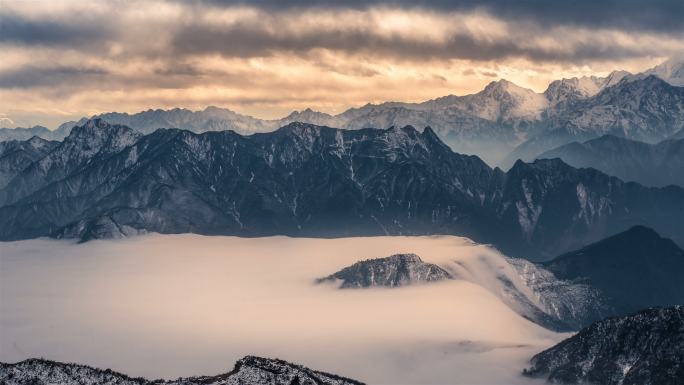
x=489 y=123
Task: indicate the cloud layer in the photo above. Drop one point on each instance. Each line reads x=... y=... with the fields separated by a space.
x=71 y=58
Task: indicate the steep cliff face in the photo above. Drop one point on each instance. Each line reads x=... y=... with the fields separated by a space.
x=641 y=349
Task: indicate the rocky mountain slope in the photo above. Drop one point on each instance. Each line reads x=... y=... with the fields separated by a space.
x=554 y=303
x=646 y=109
x=16 y=155
x=249 y=370
x=641 y=349
x=392 y=271
x=557 y=207
x=659 y=164
x=304 y=180
x=574 y=89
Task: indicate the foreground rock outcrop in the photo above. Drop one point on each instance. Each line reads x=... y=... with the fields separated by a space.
x=646 y=348
x=395 y=270
x=249 y=370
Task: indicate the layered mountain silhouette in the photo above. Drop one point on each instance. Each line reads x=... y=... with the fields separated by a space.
x=108 y=180
x=658 y=164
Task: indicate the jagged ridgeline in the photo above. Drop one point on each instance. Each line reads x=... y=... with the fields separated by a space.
x=108 y=180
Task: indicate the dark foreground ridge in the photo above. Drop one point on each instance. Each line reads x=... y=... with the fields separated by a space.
x=392 y=271
x=249 y=370
x=646 y=348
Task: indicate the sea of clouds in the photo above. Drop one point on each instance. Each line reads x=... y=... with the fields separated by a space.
x=163 y=306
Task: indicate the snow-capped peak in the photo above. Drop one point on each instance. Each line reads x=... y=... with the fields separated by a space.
x=614 y=78
x=503 y=86
x=581 y=87
x=502 y=100
x=672 y=71
x=573 y=88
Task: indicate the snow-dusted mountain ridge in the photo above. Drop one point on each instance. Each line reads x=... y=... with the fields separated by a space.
x=489 y=123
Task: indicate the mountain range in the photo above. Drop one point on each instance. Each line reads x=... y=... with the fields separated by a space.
x=501 y=123
x=108 y=180
x=659 y=164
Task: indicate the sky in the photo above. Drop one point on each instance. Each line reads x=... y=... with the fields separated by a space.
x=61 y=60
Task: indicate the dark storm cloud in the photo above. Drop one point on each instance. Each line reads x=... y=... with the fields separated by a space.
x=79 y=32
x=30 y=76
x=655 y=15
x=249 y=40
x=271 y=33
x=65 y=78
